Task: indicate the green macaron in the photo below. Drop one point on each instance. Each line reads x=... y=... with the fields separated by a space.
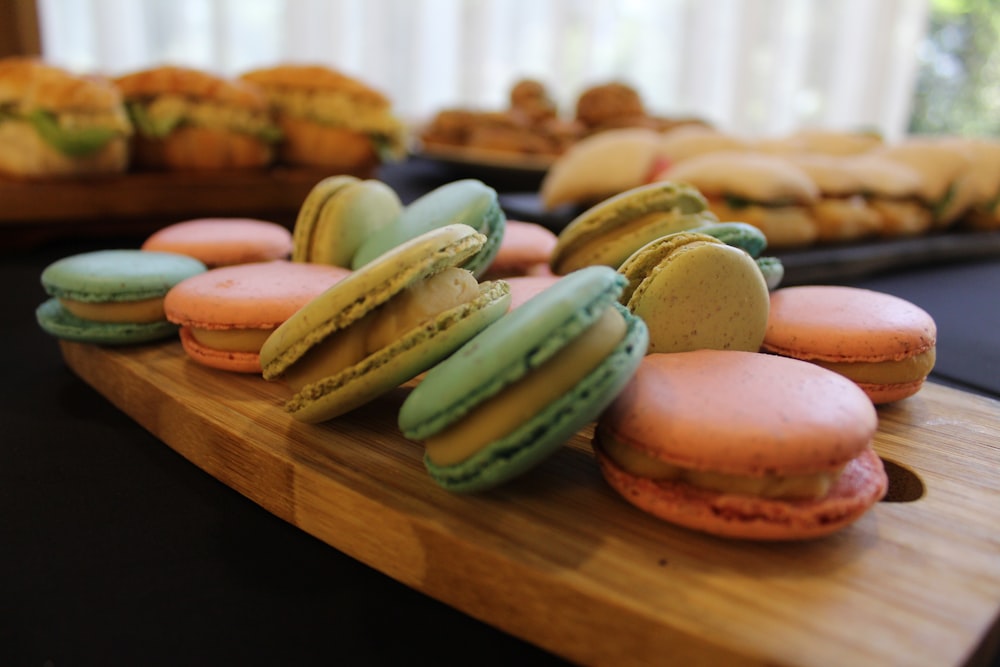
x=112 y=297
x=383 y=325
x=751 y=239
x=469 y=202
x=515 y=393
x=338 y=215
x=607 y=233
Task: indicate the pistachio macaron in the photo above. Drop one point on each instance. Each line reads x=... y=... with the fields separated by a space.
x=383 y=325
x=338 y=215
x=742 y=445
x=694 y=292
x=607 y=233
x=468 y=201
x=112 y=296
x=887 y=345
x=515 y=393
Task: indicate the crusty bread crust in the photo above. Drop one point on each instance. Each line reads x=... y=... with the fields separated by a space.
x=337 y=148
x=23 y=154
x=315 y=77
x=37 y=85
x=201 y=148
x=205 y=86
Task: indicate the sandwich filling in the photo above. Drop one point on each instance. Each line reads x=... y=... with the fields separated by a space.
x=417 y=304
x=158 y=117
x=519 y=402
x=72 y=133
x=787 y=487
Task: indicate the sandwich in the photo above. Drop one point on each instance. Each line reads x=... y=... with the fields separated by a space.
x=766 y=191
x=842 y=212
x=54 y=123
x=191 y=119
x=892 y=190
x=329 y=119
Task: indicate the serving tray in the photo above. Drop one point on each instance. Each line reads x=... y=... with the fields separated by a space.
x=558 y=559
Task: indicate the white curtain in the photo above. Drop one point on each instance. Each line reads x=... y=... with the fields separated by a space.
x=753 y=67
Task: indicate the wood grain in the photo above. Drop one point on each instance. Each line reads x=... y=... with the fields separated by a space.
x=559 y=560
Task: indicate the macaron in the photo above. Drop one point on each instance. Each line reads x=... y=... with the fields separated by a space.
x=524 y=250
x=882 y=342
x=383 y=325
x=112 y=296
x=223 y=241
x=694 y=292
x=227 y=313
x=525 y=288
x=469 y=202
x=607 y=233
x=742 y=445
x=338 y=215
x=516 y=392
x=749 y=238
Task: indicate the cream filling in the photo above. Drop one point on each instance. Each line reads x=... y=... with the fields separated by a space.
x=231 y=340
x=140 y=312
x=806 y=486
x=525 y=398
x=166 y=108
x=910 y=369
x=337 y=108
x=383 y=326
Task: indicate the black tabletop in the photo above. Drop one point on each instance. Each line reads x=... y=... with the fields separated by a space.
x=114 y=550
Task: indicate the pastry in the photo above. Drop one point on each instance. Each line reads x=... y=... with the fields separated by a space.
x=610 y=231
x=223 y=241
x=338 y=215
x=329 y=119
x=226 y=314
x=468 y=201
x=187 y=118
x=696 y=292
x=112 y=297
x=516 y=392
x=383 y=325
x=767 y=191
x=524 y=250
x=841 y=212
x=54 y=123
x=742 y=445
x=884 y=343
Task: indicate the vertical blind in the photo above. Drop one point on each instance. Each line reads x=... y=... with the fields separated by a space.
x=752 y=67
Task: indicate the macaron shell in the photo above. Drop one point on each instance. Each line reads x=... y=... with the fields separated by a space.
x=525 y=338
x=741 y=413
x=260 y=295
x=413 y=353
x=539 y=437
x=467 y=201
x=117 y=275
x=223 y=241
x=348 y=219
x=307 y=218
x=524 y=245
x=59 y=322
x=696 y=292
x=224 y=360
x=862 y=484
x=846 y=324
x=525 y=288
x=365 y=290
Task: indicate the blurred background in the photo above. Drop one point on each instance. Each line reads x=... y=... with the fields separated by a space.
x=752 y=67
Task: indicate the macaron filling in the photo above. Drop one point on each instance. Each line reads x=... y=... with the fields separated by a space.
x=910 y=369
x=501 y=414
x=407 y=310
x=799 y=486
x=141 y=311
x=231 y=340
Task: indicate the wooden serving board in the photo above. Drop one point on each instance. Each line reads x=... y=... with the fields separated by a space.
x=558 y=559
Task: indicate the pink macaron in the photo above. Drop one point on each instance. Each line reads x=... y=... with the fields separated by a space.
x=223 y=241
x=524 y=250
x=228 y=312
x=742 y=444
x=884 y=343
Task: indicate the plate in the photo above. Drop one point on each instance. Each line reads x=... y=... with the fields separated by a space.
x=467 y=156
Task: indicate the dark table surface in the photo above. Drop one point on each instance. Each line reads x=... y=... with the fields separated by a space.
x=114 y=550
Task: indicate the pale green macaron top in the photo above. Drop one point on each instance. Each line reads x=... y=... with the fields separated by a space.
x=607 y=233
x=467 y=201
x=117 y=275
x=696 y=292
x=362 y=292
x=338 y=215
